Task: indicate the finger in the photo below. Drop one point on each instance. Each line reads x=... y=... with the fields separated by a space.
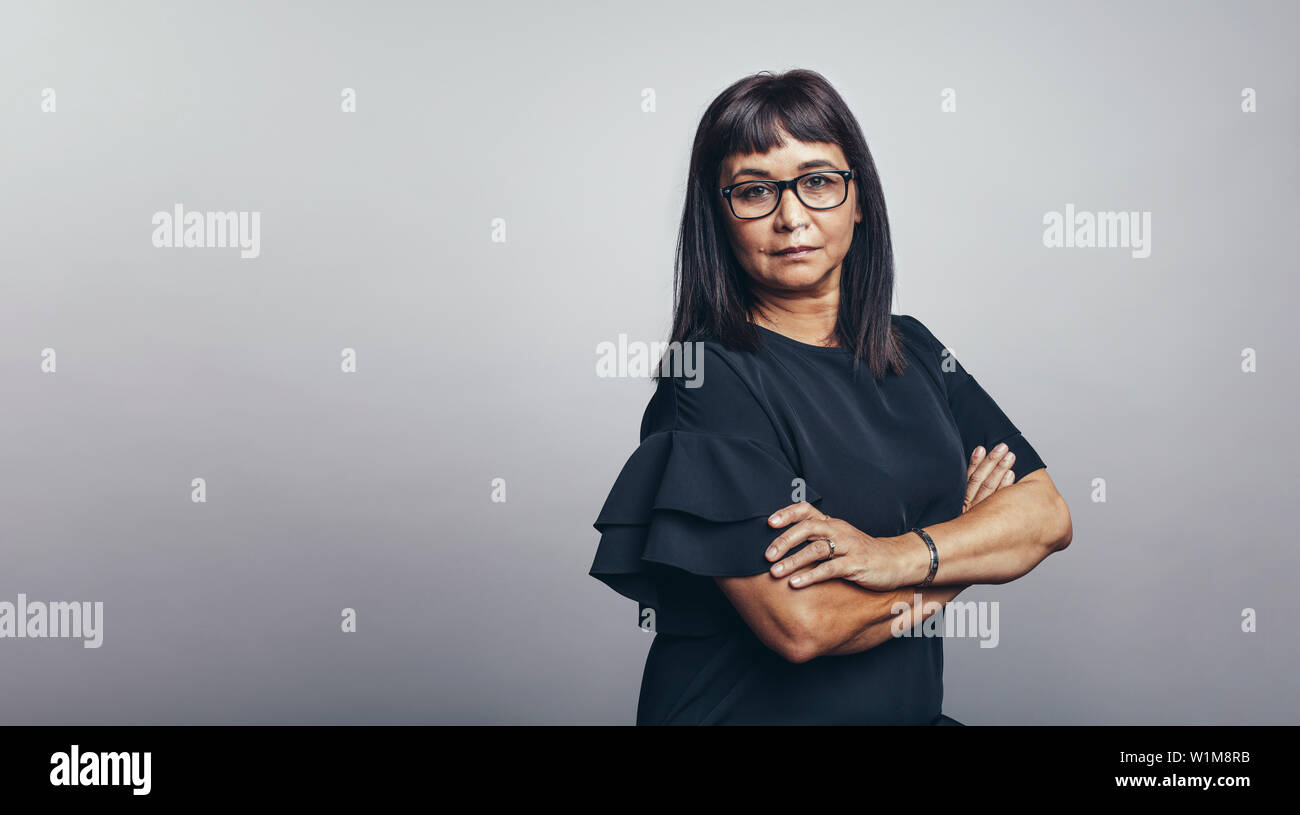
x=993 y=479
x=983 y=463
x=979 y=474
x=975 y=475
x=974 y=495
x=813 y=552
x=795 y=512
x=976 y=456
x=826 y=570
x=800 y=532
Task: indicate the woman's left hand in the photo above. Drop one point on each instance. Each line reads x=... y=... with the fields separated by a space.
x=878 y=564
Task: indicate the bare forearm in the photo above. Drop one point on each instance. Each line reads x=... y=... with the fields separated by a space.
x=999 y=539
x=881 y=631
x=802 y=624
x=996 y=541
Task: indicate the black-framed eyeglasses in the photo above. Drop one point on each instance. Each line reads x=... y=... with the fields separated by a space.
x=820 y=189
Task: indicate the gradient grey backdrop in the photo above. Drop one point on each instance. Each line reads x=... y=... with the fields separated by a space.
x=477 y=359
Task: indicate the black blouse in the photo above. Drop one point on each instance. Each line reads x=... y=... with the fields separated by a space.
x=717 y=459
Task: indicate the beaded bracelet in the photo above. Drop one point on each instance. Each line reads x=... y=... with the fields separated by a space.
x=934 y=556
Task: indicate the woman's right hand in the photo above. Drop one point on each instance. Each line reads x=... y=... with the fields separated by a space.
x=987 y=474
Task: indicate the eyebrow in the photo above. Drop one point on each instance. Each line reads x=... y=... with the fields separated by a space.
x=807 y=165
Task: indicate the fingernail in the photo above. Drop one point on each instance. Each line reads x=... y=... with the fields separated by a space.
x=771 y=552
x=797 y=580
x=778 y=568
x=1010 y=457
x=1001 y=448
x=979 y=451
x=776 y=519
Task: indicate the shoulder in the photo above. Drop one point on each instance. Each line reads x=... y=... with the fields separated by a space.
x=706 y=387
x=935 y=358
x=914 y=331
x=929 y=348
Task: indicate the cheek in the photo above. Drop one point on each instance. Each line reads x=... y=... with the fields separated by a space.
x=841 y=236
x=745 y=241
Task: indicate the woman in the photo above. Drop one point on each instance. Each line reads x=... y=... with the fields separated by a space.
x=779 y=507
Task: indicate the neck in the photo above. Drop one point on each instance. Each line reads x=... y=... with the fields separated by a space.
x=809 y=320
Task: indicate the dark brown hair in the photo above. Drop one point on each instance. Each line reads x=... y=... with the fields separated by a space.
x=711 y=294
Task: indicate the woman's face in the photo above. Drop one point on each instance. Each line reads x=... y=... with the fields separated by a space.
x=758 y=241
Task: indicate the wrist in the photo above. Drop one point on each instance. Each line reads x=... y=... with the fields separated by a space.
x=915 y=556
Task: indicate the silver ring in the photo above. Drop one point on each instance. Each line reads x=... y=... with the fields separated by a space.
x=832 y=543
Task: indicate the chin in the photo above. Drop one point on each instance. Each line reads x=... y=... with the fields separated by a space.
x=801 y=276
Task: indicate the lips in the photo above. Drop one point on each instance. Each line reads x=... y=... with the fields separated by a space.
x=794 y=249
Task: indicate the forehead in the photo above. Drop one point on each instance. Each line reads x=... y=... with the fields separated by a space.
x=784 y=159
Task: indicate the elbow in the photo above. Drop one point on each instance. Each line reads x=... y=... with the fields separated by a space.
x=1066 y=527
x=801 y=641
x=786 y=638
x=798 y=650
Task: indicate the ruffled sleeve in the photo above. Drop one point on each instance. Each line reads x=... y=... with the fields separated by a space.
x=979 y=419
x=692 y=503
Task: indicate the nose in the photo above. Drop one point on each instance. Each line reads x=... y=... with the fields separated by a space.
x=790 y=212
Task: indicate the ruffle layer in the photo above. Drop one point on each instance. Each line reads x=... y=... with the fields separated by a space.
x=688 y=507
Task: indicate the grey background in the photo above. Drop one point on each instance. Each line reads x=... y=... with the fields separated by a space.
x=477 y=359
